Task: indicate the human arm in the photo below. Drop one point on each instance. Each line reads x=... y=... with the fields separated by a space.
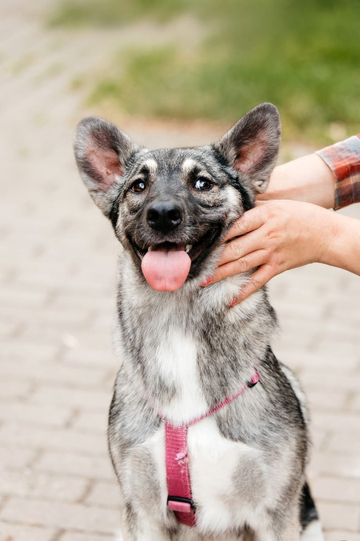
x=280 y=234
x=306 y=179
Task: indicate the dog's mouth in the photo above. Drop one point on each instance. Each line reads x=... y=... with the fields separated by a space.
x=166 y=265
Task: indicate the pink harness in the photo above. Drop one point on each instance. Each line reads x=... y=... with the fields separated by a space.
x=177 y=462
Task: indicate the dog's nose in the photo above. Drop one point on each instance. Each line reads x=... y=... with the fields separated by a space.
x=164 y=216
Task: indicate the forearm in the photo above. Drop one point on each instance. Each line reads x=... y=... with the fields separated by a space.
x=306 y=179
x=330 y=178
x=343 y=247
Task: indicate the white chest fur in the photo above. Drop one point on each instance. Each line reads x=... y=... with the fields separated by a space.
x=218 y=467
x=176 y=362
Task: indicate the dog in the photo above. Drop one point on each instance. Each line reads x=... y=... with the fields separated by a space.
x=208 y=432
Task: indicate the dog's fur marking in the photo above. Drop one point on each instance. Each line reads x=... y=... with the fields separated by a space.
x=151 y=165
x=184 y=351
x=313 y=532
x=176 y=357
x=188 y=165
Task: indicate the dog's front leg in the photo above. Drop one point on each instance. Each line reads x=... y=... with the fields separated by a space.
x=138 y=526
x=280 y=528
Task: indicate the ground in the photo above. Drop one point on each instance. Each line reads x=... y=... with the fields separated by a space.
x=57 y=287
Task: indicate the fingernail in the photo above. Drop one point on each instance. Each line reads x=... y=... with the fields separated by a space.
x=206 y=282
x=232 y=303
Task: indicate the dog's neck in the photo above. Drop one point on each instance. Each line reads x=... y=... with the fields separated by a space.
x=190 y=349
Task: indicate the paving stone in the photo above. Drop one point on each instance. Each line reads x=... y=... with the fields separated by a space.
x=339 y=516
x=61 y=439
x=87 y=400
x=33 y=484
x=336 y=420
x=37 y=415
x=320 y=401
x=105 y=495
x=14 y=389
x=26 y=532
x=92 y=357
x=54 y=373
x=355 y=404
x=337 y=490
x=19 y=350
x=72 y=536
x=8 y=328
x=319 y=437
x=339 y=465
x=345 y=441
x=341 y=535
x=331 y=380
x=93 y=422
x=61 y=515
x=91 y=467
x=13 y=457
x=319 y=362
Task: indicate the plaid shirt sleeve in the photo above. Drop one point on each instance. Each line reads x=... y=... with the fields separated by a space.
x=344 y=160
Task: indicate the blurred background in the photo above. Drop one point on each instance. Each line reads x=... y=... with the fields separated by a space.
x=170 y=73
x=215 y=60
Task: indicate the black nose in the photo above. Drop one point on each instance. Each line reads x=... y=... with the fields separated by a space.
x=164 y=216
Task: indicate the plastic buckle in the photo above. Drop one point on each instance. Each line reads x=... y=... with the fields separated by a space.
x=182 y=505
x=254 y=380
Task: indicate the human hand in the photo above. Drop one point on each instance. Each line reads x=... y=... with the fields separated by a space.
x=275 y=236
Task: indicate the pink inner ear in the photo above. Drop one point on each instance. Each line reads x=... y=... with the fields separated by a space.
x=250 y=154
x=106 y=164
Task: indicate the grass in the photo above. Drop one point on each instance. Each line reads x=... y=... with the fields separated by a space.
x=302 y=56
x=110 y=13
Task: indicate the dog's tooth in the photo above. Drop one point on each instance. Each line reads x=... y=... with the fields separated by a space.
x=150 y=249
x=188 y=247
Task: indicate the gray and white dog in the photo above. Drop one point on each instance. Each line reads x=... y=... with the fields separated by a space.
x=184 y=350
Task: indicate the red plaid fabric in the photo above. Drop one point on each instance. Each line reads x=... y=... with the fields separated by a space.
x=344 y=160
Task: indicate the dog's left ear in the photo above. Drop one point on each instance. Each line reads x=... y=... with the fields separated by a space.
x=252 y=145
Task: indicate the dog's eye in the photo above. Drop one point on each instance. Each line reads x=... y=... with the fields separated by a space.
x=203 y=184
x=138 y=186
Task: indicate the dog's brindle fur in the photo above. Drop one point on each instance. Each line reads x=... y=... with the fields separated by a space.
x=184 y=351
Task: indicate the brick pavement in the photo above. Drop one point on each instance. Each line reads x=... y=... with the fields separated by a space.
x=57 y=284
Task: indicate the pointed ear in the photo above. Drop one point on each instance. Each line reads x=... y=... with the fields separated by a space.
x=102 y=152
x=252 y=145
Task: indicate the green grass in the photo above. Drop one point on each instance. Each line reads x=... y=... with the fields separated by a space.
x=110 y=13
x=302 y=56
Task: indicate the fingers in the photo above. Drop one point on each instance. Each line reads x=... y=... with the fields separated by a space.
x=250 y=220
x=260 y=277
x=248 y=262
x=242 y=246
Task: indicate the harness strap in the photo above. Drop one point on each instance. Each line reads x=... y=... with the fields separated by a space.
x=177 y=474
x=177 y=462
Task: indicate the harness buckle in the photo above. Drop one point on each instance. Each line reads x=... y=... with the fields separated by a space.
x=182 y=505
x=254 y=380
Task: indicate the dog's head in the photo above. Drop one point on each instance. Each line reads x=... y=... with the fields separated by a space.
x=171 y=207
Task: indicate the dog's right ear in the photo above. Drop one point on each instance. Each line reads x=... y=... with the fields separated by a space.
x=102 y=152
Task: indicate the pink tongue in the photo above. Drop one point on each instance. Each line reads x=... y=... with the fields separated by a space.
x=166 y=270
